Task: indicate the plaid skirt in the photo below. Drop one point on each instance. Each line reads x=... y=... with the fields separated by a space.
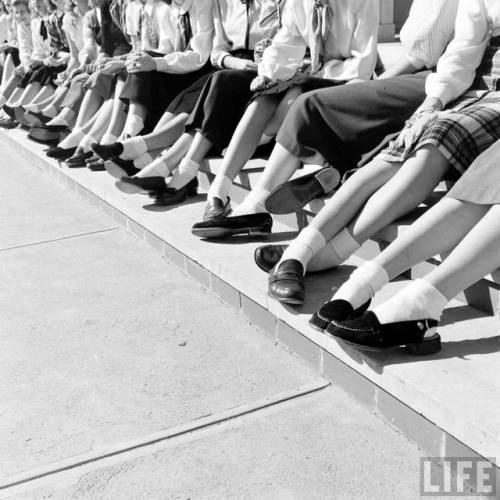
x=460 y=133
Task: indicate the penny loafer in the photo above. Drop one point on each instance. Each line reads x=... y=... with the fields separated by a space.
x=60 y=153
x=171 y=196
x=366 y=332
x=267 y=256
x=119 y=168
x=252 y=224
x=131 y=185
x=78 y=159
x=293 y=195
x=107 y=151
x=216 y=208
x=286 y=282
x=336 y=310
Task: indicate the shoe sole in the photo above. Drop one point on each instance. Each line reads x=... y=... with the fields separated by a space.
x=114 y=170
x=222 y=232
x=428 y=346
x=126 y=187
x=291 y=302
x=289 y=198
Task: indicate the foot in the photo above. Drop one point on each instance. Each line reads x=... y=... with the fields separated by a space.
x=44 y=135
x=336 y=310
x=267 y=256
x=294 y=194
x=216 y=208
x=8 y=123
x=253 y=224
x=366 y=332
x=60 y=153
x=108 y=151
x=286 y=282
x=131 y=185
x=171 y=196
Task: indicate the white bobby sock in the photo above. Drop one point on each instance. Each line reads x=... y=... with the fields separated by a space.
x=337 y=250
x=108 y=138
x=220 y=188
x=50 y=111
x=73 y=139
x=143 y=161
x=253 y=203
x=133 y=147
x=363 y=284
x=186 y=171
x=86 y=142
x=58 y=121
x=307 y=243
x=419 y=300
x=133 y=125
x=157 y=167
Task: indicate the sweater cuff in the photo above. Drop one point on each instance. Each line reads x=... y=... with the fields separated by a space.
x=161 y=64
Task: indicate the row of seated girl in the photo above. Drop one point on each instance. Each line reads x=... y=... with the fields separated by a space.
x=147 y=90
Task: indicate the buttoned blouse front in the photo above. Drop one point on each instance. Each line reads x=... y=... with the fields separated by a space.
x=41 y=47
x=200 y=46
x=477 y=21
x=350 y=47
x=231 y=28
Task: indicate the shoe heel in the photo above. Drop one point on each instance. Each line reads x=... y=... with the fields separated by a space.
x=430 y=345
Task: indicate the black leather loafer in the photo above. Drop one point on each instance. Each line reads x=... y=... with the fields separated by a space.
x=8 y=123
x=108 y=151
x=294 y=194
x=95 y=166
x=171 y=196
x=367 y=333
x=131 y=185
x=286 y=283
x=215 y=208
x=60 y=153
x=336 y=310
x=253 y=224
x=119 y=168
x=267 y=256
x=36 y=118
x=78 y=159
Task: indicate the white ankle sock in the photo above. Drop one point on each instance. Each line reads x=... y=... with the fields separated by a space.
x=143 y=161
x=50 y=111
x=86 y=142
x=363 y=284
x=186 y=171
x=307 y=243
x=419 y=300
x=73 y=139
x=58 y=120
x=253 y=203
x=157 y=167
x=133 y=126
x=133 y=147
x=108 y=138
x=220 y=188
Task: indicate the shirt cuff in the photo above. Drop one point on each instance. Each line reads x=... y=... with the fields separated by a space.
x=220 y=59
x=161 y=64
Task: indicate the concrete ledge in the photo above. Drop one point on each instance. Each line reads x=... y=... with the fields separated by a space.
x=445 y=402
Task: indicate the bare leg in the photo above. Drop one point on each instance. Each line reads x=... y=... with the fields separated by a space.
x=411 y=185
x=167 y=132
x=29 y=93
x=8 y=69
x=45 y=92
x=118 y=115
x=9 y=87
x=90 y=105
x=279 y=115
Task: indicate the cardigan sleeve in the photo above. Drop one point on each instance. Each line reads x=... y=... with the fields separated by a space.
x=282 y=59
x=198 y=52
x=456 y=69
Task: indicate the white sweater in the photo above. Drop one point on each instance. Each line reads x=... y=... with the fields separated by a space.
x=350 y=48
x=477 y=21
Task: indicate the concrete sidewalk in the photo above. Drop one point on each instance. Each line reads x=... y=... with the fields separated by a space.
x=123 y=378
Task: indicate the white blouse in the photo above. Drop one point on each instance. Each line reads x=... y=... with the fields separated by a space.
x=159 y=13
x=89 y=48
x=41 y=47
x=4 y=27
x=202 y=25
x=428 y=31
x=350 y=49
x=477 y=21
x=231 y=27
x=25 y=43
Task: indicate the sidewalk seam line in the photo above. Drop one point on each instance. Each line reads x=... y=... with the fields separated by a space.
x=61 y=238
x=199 y=424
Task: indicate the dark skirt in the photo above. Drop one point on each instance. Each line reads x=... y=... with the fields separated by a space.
x=45 y=75
x=306 y=82
x=14 y=53
x=221 y=105
x=343 y=124
x=74 y=97
x=187 y=99
x=155 y=90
